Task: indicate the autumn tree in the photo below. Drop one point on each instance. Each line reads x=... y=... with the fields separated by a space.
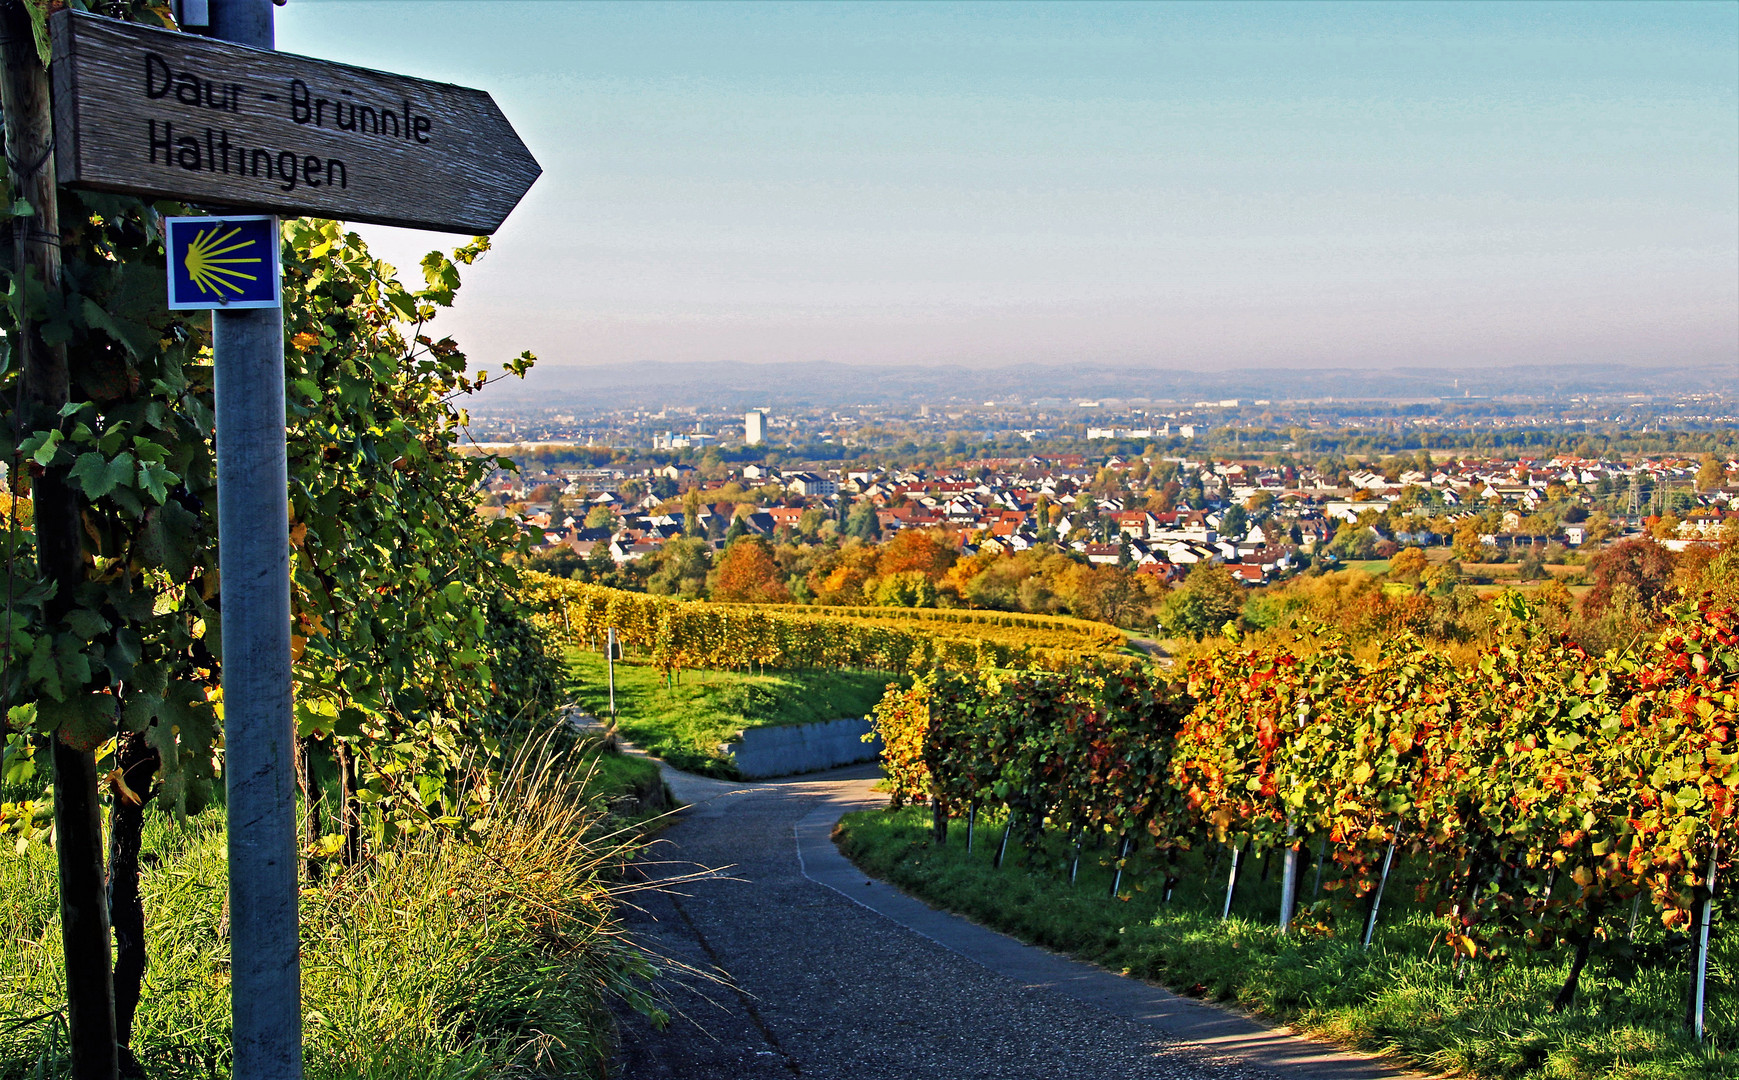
x=1467 y=545
x=1643 y=565
x=1599 y=527
x=1111 y=594
x=1712 y=475
x=682 y=567
x=1408 y=565
x=1208 y=599
x=924 y=551
x=691 y=511
x=746 y=573
x=863 y=523
x=1665 y=527
x=600 y=517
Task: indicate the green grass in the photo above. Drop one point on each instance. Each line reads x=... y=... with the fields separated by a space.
x=612 y=776
x=447 y=957
x=1401 y=998
x=1374 y=567
x=686 y=722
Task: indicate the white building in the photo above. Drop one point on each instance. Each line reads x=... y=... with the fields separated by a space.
x=754 y=427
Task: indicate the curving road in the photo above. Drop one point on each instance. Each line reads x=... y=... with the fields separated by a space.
x=833 y=976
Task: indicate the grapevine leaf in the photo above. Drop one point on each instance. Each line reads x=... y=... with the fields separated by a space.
x=83 y=721
x=98 y=476
x=86 y=623
x=168 y=540
x=155 y=480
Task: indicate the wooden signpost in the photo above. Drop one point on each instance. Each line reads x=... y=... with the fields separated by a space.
x=241 y=131
x=167 y=115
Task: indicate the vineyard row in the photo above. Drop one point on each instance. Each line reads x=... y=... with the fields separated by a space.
x=1545 y=795
x=681 y=634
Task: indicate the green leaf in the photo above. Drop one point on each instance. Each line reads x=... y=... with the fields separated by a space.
x=139 y=710
x=168 y=539
x=42 y=446
x=83 y=721
x=98 y=477
x=22 y=717
x=314 y=716
x=183 y=735
x=123 y=654
x=137 y=339
x=155 y=480
x=43 y=670
x=85 y=623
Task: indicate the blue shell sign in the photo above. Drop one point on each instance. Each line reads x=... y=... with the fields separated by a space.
x=222 y=262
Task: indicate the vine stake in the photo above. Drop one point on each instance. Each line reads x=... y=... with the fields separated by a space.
x=1699 y=978
x=1117 y=882
x=1232 y=881
x=1382 y=880
x=1289 y=879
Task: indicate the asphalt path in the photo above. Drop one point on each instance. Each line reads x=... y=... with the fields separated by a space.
x=826 y=974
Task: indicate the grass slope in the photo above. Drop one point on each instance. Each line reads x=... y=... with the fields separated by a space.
x=1402 y=997
x=685 y=722
x=447 y=958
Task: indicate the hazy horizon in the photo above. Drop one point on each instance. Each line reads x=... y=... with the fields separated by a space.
x=1199 y=187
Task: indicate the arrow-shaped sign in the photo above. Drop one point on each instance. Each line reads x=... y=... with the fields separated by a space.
x=167 y=115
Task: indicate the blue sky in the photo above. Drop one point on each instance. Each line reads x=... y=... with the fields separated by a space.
x=1195 y=186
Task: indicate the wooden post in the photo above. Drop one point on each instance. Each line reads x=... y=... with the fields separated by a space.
x=45 y=387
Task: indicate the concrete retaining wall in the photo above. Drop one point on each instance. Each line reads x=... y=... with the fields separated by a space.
x=798 y=748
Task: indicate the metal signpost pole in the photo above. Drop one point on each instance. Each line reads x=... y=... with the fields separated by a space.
x=259 y=720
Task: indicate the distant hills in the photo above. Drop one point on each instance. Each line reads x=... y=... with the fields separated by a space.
x=822 y=383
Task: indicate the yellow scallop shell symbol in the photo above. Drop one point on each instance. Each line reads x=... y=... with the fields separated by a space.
x=212 y=266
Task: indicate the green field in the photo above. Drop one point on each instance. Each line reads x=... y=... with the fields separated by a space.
x=685 y=722
x=1402 y=997
x=1374 y=567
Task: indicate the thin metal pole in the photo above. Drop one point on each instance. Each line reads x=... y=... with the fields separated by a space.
x=1383 y=881
x=610 y=666
x=1232 y=882
x=259 y=722
x=1289 y=879
x=1702 y=976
